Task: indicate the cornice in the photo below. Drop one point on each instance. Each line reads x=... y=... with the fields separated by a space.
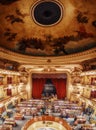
x=59 y=60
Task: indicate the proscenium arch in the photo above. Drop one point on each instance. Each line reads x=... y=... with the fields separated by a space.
x=68 y=83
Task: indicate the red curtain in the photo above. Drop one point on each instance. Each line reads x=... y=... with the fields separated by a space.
x=9 y=92
x=60 y=85
x=9 y=80
x=37 y=87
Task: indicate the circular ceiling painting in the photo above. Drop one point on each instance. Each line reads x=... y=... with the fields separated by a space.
x=48 y=27
x=46 y=123
x=46 y=13
x=46 y=128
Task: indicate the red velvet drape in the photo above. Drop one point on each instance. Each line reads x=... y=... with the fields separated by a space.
x=37 y=87
x=9 y=80
x=60 y=85
x=9 y=92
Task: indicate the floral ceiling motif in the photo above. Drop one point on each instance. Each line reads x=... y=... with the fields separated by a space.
x=76 y=32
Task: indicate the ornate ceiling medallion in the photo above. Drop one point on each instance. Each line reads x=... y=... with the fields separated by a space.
x=47 y=12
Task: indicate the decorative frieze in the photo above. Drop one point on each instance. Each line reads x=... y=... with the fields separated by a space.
x=25 y=59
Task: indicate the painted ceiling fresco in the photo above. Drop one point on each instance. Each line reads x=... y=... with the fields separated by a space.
x=76 y=32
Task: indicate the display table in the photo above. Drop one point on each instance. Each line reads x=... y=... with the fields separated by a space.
x=81 y=120
x=88 y=127
x=10 y=121
x=18 y=116
x=6 y=127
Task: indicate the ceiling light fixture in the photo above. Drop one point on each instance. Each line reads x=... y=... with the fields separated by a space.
x=47 y=12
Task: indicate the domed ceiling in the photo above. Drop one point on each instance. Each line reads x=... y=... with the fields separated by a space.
x=48 y=27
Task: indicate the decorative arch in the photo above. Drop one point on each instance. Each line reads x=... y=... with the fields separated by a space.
x=68 y=84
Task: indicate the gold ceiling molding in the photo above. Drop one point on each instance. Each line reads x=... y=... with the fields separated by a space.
x=50 y=68
x=8 y=72
x=92 y=72
x=60 y=60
